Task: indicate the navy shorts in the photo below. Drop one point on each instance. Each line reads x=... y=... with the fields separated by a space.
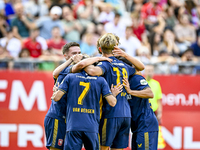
x=74 y=140
x=55 y=132
x=145 y=140
x=114 y=132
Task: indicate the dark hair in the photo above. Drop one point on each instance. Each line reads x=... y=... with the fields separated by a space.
x=125 y=60
x=66 y=47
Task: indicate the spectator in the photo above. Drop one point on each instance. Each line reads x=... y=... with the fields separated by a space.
x=136 y=6
x=137 y=24
x=24 y=63
x=192 y=11
x=86 y=12
x=186 y=57
x=47 y=23
x=3 y=26
x=35 y=9
x=5 y=59
x=49 y=61
x=166 y=64
x=116 y=27
x=168 y=44
x=11 y=44
x=19 y=24
x=144 y=54
x=149 y=13
x=24 y=53
x=170 y=17
x=127 y=42
x=196 y=46
x=34 y=47
x=56 y=43
x=88 y=47
x=119 y=5
x=71 y=26
x=107 y=14
x=91 y=29
x=155 y=39
x=185 y=33
x=9 y=11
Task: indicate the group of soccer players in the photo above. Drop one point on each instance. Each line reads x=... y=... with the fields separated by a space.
x=96 y=105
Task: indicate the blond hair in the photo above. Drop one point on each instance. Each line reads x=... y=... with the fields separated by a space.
x=107 y=42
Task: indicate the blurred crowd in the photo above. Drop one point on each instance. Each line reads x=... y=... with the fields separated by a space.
x=161 y=32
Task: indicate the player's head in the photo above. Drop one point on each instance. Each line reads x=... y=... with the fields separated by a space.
x=107 y=42
x=71 y=49
x=149 y=72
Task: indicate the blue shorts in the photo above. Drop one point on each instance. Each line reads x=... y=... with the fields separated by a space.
x=74 y=140
x=114 y=132
x=145 y=140
x=55 y=132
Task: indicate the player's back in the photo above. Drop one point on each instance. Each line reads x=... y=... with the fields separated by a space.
x=83 y=101
x=143 y=117
x=114 y=73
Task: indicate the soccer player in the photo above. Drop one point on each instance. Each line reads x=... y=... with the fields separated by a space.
x=84 y=99
x=115 y=124
x=144 y=125
x=54 y=121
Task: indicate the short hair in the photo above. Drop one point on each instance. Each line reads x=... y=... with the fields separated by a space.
x=66 y=47
x=98 y=41
x=128 y=27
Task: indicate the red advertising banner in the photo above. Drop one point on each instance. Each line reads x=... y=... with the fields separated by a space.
x=25 y=99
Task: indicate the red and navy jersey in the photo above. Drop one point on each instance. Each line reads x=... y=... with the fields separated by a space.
x=58 y=109
x=114 y=73
x=143 y=118
x=84 y=97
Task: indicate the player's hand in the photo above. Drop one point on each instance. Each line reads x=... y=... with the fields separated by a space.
x=118 y=52
x=55 y=87
x=117 y=89
x=77 y=58
x=126 y=85
x=105 y=59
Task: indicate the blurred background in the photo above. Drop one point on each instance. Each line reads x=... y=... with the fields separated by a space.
x=163 y=33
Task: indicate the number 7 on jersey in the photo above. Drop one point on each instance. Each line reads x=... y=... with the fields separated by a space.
x=84 y=93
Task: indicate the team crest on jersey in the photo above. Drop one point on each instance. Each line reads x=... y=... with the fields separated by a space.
x=143 y=82
x=60 y=142
x=139 y=145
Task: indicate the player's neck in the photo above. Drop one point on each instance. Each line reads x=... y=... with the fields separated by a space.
x=107 y=55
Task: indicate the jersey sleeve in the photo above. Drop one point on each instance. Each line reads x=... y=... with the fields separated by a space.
x=103 y=66
x=138 y=83
x=64 y=84
x=105 y=88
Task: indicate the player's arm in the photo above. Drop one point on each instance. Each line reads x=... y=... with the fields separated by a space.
x=76 y=58
x=146 y=93
x=138 y=64
x=57 y=71
x=86 y=62
x=112 y=101
x=57 y=95
x=93 y=70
